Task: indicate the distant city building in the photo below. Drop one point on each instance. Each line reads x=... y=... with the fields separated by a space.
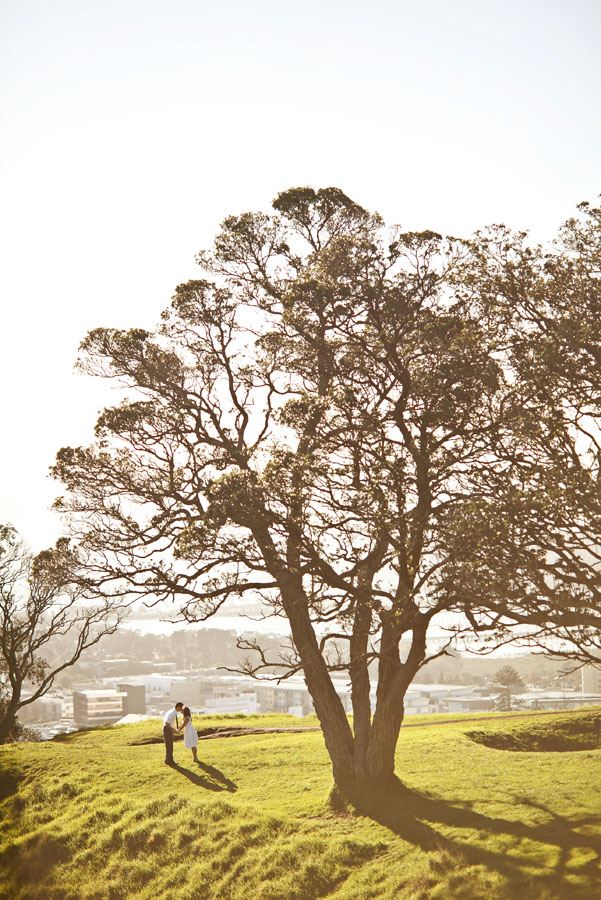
x=284 y=698
x=164 y=667
x=135 y=698
x=558 y=700
x=194 y=690
x=238 y=703
x=45 y=709
x=591 y=679
x=154 y=682
x=100 y=707
x=422 y=699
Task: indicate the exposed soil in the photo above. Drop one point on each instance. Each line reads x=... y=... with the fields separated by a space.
x=225 y=731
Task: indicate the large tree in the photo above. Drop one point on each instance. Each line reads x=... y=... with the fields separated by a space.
x=39 y=602
x=340 y=419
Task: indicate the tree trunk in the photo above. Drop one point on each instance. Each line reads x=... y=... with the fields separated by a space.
x=386 y=723
x=384 y=737
x=360 y=762
x=328 y=705
x=8 y=717
x=373 y=765
x=367 y=756
x=360 y=687
x=374 y=761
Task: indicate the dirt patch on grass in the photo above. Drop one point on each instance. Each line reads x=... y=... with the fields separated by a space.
x=223 y=731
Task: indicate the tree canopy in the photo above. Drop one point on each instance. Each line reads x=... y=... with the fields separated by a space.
x=508 y=681
x=372 y=430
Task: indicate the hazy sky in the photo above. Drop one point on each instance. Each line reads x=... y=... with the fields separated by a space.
x=130 y=129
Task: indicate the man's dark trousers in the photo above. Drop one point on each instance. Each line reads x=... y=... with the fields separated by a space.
x=168 y=738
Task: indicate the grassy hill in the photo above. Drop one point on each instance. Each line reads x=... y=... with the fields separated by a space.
x=489 y=815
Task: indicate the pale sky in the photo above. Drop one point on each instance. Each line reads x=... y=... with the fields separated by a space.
x=131 y=128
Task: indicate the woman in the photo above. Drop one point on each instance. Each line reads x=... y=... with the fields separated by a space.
x=190 y=733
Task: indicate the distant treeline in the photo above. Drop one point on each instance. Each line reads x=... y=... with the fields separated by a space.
x=189 y=648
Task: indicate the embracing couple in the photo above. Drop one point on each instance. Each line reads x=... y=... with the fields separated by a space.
x=171 y=726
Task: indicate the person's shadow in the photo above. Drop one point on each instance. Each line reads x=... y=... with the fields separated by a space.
x=212 y=780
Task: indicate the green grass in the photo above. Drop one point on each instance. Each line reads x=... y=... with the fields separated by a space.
x=97 y=816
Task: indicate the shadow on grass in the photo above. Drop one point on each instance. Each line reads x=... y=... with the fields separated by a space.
x=9 y=783
x=218 y=776
x=413 y=816
x=212 y=780
x=66 y=737
x=582 y=732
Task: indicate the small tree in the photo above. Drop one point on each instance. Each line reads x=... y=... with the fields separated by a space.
x=508 y=682
x=39 y=600
x=358 y=426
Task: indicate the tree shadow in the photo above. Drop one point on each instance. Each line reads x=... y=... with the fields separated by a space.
x=8 y=784
x=66 y=737
x=413 y=816
x=214 y=780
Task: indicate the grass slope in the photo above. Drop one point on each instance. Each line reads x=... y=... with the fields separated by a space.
x=97 y=816
x=566 y=734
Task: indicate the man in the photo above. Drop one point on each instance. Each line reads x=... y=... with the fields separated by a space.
x=170 y=725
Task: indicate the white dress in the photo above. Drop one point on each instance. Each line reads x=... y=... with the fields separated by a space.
x=190 y=735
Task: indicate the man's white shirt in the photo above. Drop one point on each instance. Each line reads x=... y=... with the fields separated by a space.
x=170 y=718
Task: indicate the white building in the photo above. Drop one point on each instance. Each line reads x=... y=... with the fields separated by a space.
x=194 y=690
x=245 y=702
x=558 y=700
x=591 y=679
x=97 y=707
x=288 y=697
x=422 y=699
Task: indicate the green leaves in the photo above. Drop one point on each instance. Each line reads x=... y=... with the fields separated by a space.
x=315 y=209
x=345 y=403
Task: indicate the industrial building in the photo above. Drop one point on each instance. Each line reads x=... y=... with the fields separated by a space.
x=99 y=707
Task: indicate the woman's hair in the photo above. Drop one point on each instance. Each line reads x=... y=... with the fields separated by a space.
x=187 y=711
